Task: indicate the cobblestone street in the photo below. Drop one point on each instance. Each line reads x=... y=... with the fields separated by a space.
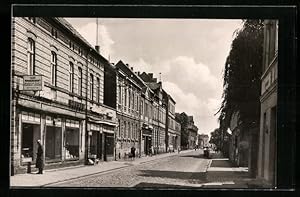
x=185 y=169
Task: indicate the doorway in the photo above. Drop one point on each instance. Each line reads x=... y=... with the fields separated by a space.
x=273 y=152
x=96 y=144
x=30 y=135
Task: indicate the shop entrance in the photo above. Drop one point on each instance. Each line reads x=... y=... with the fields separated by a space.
x=96 y=144
x=30 y=135
x=108 y=145
x=53 y=143
x=147 y=144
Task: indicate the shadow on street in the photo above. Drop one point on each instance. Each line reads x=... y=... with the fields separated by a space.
x=160 y=185
x=201 y=176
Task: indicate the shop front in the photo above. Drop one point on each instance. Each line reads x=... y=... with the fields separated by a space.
x=146 y=139
x=101 y=141
x=96 y=142
x=30 y=133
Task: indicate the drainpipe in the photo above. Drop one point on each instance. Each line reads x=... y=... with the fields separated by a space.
x=86 y=106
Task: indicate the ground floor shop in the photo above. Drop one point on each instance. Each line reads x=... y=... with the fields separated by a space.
x=61 y=137
x=66 y=138
x=101 y=141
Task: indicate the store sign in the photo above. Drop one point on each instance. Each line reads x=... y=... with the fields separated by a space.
x=32 y=82
x=76 y=105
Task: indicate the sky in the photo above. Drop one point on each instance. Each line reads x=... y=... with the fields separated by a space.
x=190 y=54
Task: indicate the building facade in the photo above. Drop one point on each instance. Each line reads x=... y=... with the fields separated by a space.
x=192 y=132
x=57 y=95
x=203 y=140
x=159 y=112
x=267 y=137
x=129 y=113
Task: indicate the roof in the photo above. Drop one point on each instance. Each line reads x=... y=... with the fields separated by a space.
x=75 y=33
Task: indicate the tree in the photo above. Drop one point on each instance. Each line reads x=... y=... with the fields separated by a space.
x=242 y=76
x=183 y=120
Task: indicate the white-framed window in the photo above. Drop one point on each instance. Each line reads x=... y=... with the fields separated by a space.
x=71 y=77
x=91 y=86
x=31 y=57
x=80 y=81
x=53 y=68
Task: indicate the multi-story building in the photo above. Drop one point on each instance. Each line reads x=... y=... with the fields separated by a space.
x=58 y=95
x=267 y=138
x=192 y=132
x=159 y=112
x=172 y=135
x=129 y=97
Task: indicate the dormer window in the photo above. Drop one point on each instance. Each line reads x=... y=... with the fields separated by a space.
x=54 y=32
x=31 y=19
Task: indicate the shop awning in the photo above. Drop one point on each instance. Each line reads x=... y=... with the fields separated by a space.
x=103 y=122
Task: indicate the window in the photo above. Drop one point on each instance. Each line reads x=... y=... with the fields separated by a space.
x=125 y=100
x=53 y=68
x=98 y=90
x=31 y=57
x=71 y=77
x=91 y=86
x=276 y=37
x=32 y=19
x=54 y=32
x=80 y=81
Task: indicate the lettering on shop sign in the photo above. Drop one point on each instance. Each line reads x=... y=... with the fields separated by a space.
x=32 y=82
x=76 y=105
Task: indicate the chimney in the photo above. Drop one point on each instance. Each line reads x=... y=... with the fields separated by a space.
x=131 y=68
x=127 y=65
x=151 y=75
x=97 y=47
x=139 y=73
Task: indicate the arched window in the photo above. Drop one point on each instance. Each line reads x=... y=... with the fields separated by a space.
x=53 y=68
x=71 y=77
x=80 y=81
x=31 y=57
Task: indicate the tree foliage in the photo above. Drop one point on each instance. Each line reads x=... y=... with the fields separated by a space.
x=242 y=76
x=183 y=120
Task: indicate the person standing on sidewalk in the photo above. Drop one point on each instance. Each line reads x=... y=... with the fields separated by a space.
x=39 y=158
x=132 y=151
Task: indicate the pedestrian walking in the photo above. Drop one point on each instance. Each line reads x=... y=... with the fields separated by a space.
x=132 y=151
x=39 y=158
x=151 y=151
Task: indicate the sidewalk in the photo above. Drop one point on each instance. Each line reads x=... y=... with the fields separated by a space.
x=222 y=174
x=68 y=173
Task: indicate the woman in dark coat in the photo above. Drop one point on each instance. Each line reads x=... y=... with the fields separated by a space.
x=39 y=158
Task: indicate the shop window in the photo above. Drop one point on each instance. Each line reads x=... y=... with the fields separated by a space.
x=30 y=135
x=53 y=143
x=72 y=143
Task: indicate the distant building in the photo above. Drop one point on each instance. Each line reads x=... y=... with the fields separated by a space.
x=189 y=131
x=267 y=138
x=203 y=140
